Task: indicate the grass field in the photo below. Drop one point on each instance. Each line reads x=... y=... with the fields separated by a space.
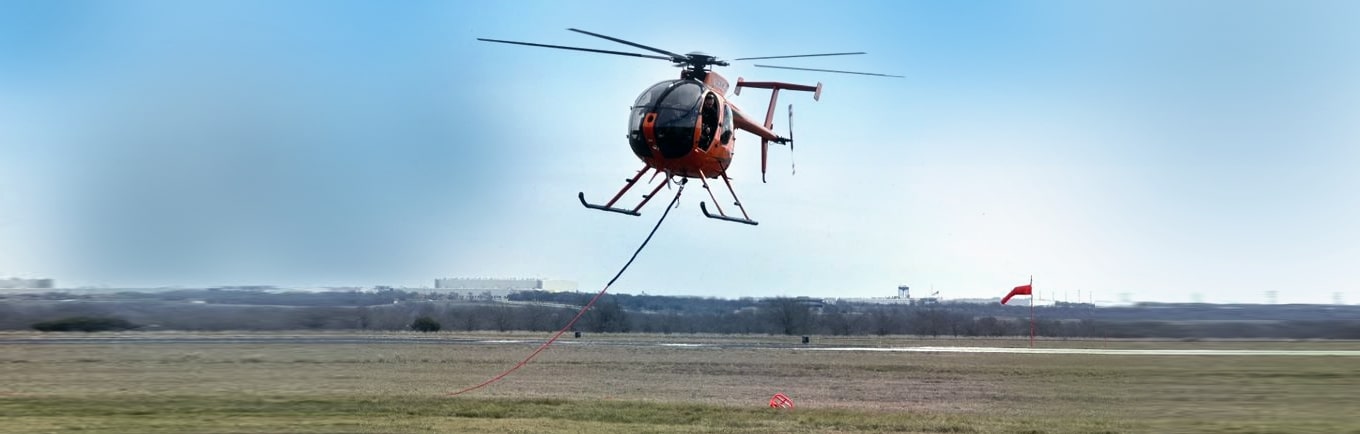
x=174 y=387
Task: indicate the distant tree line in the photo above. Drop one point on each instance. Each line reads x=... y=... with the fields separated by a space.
x=84 y=324
x=642 y=303
x=543 y=311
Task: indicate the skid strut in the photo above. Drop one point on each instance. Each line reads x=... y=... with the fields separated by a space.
x=630 y=182
x=721 y=215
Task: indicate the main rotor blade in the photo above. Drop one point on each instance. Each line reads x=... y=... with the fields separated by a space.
x=801 y=55
x=592 y=50
x=674 y=57
x=829 y=70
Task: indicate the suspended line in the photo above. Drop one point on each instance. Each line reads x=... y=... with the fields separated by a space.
x=587 y=306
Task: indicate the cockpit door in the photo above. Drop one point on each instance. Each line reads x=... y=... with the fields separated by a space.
x=709 y=114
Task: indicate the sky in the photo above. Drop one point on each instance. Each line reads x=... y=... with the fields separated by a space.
x=1131 y=150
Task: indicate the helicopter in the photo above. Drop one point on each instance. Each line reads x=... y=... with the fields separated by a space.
x=686 y=127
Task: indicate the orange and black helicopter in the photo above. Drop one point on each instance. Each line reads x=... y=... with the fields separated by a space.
x=685 y=127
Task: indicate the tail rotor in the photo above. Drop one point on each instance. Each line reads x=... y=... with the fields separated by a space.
x=793 y=165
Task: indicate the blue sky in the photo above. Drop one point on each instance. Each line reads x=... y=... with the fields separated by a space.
x=1157 y=149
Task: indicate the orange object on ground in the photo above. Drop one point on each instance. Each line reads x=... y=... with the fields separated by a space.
x=780 y=400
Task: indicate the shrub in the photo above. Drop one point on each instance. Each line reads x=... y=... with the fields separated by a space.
x=425 y=324
x=84 y=324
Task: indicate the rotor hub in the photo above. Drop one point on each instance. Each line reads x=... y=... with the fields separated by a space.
x=699 y=60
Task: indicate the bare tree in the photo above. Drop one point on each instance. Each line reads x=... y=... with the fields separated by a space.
x=607 y=316
x=788 y=315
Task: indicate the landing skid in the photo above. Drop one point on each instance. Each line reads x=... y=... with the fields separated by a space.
x=745 y=219
x=704 y=208
x=630 y=182
x=582 y=196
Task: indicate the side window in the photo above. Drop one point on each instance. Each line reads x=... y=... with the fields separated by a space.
x=727 y=119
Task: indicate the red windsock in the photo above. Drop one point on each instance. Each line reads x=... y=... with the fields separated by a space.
x=1019 y=290
x=780 y=400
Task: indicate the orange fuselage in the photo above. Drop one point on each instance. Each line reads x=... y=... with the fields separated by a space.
x=686 y=127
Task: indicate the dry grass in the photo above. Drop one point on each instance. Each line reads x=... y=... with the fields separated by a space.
x=174 y=387
x=881 y=341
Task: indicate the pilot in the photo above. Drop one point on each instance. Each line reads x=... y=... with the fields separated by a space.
x=710 y=120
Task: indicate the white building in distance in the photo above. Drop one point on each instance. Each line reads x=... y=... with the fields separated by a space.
x=498 y=289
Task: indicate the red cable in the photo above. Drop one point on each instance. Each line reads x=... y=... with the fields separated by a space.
x=584 y=308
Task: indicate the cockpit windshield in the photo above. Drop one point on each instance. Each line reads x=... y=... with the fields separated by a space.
x=676 y=104
x=684 y=96
x=676 y=115
x=680 y=106
x=653 y=93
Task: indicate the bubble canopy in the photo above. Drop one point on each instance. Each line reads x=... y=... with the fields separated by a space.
x=676 y=104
